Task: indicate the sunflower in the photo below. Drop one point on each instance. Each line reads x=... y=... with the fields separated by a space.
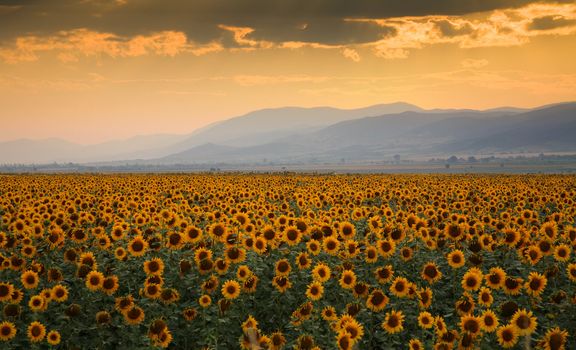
x=495 y=278
x=169 y=295
x=562 y=253
x=260 y=245
x=371 y=254
x=321 y=273
x=243 y=273
x=303 y=261
x=485 y=297
x=121 y=254
x=415 y=344
x=36 y=332
x=524 y=322
x=193 y=234
x=37 y=303
x=103 y=317
x=399 y=287
x=221 y=266
x=94 y=280
x=354 y=328
x=347 y=279
x=533 y=254
x=137 y=246
x=472 y=280
x=281 y=283
x=489 y=321
x=277 y=341
x=360 y=290
x=292 y=235
x=134 y=316
x=313 y=247
x=554 y=339
x=393 y=322
x=235 y=254
x=377 y=300
x=123 y=304
x=425 y=320
x=424 y=298
x=511 y=237
x=535 y=284
x=440 y=325
x=465 y=305
x=7 y=331
x=431 y=273
x=283 y=268
x=156 y=328
x=205 y=300
x=315 y=291
x=350 y=249
x=29 y=279
x=189 y=314
x=250 y=323
x=344 y=341
x=347 y=230
x=110 y=285
x=470 y=324
x=251 y=283
x=507 y=336
x=329 y=313
x=513 y=286
x=384 y=274
x=549 y=230
x=154 y=266
x=406 y=253
x=152 y=291
x=218 y=231
x=331 y=245
x=456 y=259
x=231 y=289
x=202 y=254
x=386 y=247
x=454 y=231
x=6 y=290
x=571 y=271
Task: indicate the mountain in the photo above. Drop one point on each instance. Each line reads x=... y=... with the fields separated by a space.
x=549 y=129
x=56 y=150
x=252 y=129
x=415 y=133
x=267 y=125
x=325 y=134
x=36 y=151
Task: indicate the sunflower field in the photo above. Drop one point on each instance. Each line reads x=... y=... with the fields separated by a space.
x=287 y=261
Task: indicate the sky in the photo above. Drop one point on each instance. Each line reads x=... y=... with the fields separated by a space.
x=89 y=71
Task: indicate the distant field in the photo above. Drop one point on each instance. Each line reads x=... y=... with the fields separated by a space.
x=282 y=261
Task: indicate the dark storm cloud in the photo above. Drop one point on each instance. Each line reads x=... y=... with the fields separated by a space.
x=550 y=22
x=273 y=20
x=449 y=30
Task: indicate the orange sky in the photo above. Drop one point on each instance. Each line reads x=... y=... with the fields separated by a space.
x=116 y=68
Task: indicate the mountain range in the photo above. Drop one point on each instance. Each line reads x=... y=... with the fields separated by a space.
x=325 y=134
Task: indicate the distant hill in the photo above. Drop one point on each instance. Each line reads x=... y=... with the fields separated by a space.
x=55 y=150
x=325 y=134
x=548 y=129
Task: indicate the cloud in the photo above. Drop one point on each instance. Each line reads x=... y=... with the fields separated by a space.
x=351 y=54
x=388 y=38
x=551 y=22
x=70 y=46
x=499 y=28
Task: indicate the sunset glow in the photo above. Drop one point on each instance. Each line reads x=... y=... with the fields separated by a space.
x=89 y=71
